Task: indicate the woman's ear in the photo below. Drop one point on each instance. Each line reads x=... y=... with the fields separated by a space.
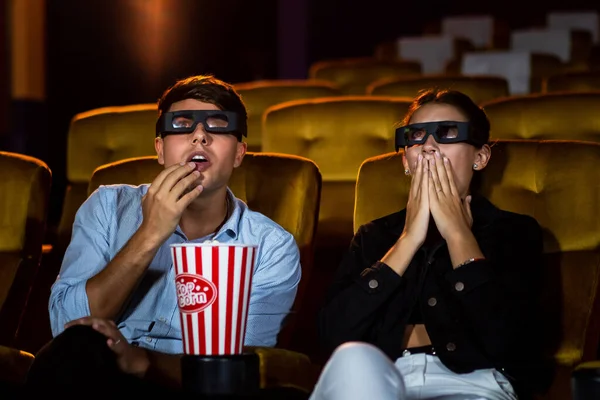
x=405 y=163
x=482 y=157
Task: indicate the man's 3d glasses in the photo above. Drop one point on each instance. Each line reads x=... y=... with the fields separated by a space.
x=442 y=131
x=213 y=121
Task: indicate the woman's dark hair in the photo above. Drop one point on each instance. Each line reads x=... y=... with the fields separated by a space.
x=474 y=114
x=207 y=89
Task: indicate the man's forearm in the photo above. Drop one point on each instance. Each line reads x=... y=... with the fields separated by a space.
x=108 y=291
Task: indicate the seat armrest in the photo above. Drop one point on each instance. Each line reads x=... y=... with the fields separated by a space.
x=14 y=365
x=286 y=368
x=585 y=380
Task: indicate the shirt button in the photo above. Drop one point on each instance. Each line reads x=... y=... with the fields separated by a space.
x=373 y=284
x=459 y=286
x=432 y=301
x=450 y=346
x=149 y=340
x=162 y=319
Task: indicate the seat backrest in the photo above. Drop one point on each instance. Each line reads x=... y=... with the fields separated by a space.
x=24 y=201
x=556 y=182
x=559 y=115
x=479 y=88
x=260 y=95
x=542 y=67
x=335 y=132
x=290 y=197
x=579 y=81
x=97 y=137
x=104 y=135
x=353 y=75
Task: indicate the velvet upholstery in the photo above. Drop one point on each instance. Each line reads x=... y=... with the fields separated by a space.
x=24 y=201
x=337 y=133
x=478 y=87
x=578 y=81
x=557 y=183
x=353 y=75
x=97 y=137
x=556 y=116
x=260 y=95
x=290 y=197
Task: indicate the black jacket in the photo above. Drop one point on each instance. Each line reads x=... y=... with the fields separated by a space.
x=481 y=315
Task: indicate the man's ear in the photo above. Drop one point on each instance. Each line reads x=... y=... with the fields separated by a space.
x=159 y=147
x=240 y=153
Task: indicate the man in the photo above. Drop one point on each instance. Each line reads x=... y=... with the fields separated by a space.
x=117 y=275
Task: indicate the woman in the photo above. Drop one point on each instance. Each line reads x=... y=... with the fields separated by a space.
x=437 y=300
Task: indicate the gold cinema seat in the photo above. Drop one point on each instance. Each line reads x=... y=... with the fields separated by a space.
x=98 y=137
x=556 y=182
x=353 y=75
x=337 y=133
x=478 y=87
x=557 y=115
x=24 y=202
x=578 y=81
x=260 y=95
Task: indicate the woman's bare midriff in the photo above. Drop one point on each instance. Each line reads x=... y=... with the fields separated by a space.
x=415 y=336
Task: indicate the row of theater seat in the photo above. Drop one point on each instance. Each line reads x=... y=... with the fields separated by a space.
x=554 y=181
x=361 y=75
x=337 y=132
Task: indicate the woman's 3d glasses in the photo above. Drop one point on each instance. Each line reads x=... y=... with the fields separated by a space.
x=213 y=121
x=442 y=131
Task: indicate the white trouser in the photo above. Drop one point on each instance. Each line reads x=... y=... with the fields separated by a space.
x=360 y=371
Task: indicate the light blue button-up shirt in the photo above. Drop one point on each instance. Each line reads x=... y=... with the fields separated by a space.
x=108 y=219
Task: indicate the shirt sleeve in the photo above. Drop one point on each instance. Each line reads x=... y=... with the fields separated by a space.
x=500 y=294
x=275 y=283
x=87 y=254
x=358 y=298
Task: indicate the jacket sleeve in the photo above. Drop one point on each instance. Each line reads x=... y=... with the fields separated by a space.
x=357 y=298
x=499 y=295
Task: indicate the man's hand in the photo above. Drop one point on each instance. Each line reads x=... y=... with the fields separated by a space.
x=130 y=359
x=168 y=196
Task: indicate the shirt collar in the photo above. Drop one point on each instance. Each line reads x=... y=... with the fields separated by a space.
x=231 y=227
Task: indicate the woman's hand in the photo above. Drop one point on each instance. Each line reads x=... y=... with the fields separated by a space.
x=417 y=221
x=417 y=207
x=452 y=215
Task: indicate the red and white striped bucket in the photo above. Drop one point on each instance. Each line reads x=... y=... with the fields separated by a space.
x=213 y=283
